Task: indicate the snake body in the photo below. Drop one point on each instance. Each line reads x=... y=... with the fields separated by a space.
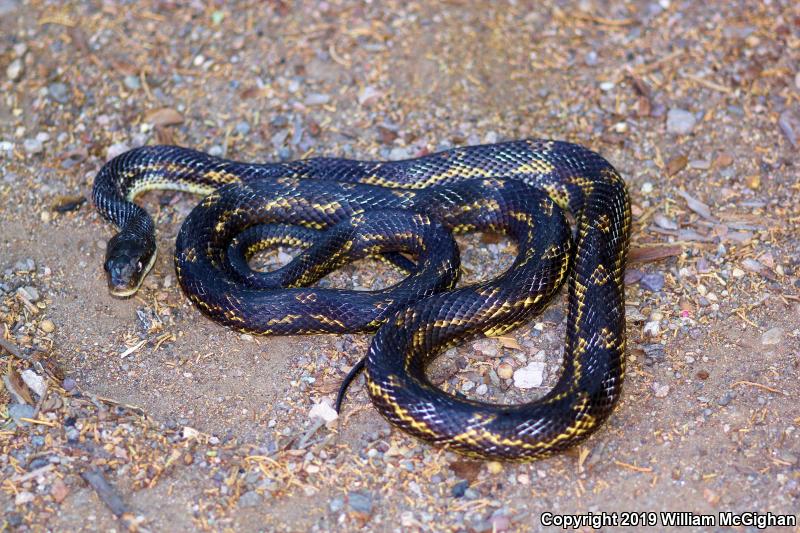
x=338 y=210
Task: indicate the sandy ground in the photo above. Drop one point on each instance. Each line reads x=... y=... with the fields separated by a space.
x=196 y=427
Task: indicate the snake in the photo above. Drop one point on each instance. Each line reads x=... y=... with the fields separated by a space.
x=564 y=205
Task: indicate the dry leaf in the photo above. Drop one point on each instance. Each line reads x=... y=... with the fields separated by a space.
x=509 y=342
x=696 y=205
x=467 y=470
x=166 y=116
x=646 y=254
x=65 y=204
x=17 y=388
x=676 y=164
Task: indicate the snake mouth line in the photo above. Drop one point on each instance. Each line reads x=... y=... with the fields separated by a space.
x=127 y=292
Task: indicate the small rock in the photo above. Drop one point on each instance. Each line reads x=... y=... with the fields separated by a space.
x=529 y=376
x=59 y=490
x=18 y=411
x=486 y=347
x=243 y=128
x=664 y=222
x=336 y=505
x=68 y=384
x=323 y=411
x=481 y=389
x=398 y=154
x=505 y=371
x=29 y=293
x=772 y=336
x=250 y=499
x=33 y=146
x=132 y=82
x=700 y=164
x=317 y=99
x=14 y=70
x=459 y=489
x=680 y=121
x=116 y=149
x=652 y=329
x=23 y=497
x=726 y=399
x=368 y=94
x=590 y=59
x=59 y=92
x=724 y=160
x=47 y=326
x=215 y=151
x=24 y=266
x=652 y=282
x=34 y=381
x=500 y=523
x=360 y=502
x=789 y=123
x=660 y=390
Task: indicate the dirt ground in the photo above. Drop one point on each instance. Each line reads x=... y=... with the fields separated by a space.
x=195 y=427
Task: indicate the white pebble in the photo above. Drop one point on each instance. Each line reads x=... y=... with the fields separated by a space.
x=323 y=411
x=529 y=376
x=34 y=381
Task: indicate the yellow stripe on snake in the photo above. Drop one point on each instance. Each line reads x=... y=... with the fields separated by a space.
x=338 y=210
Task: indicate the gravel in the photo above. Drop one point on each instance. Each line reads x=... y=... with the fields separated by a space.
x=59 y=92
x=680 y=121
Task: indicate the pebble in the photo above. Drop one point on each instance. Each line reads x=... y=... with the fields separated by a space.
x=660 y=390
x=481 y=389
x=317 y=99
x=529 y=376
x=368 y=95
x=459 y=489
x=360 y=502
x=336 y=504
x=68 y=384
x=59 y=92
x=132 y=82
x=243 y=128
x=14 y=70
x=116 y=149
x=250 y=499
x=505 y=371
x=33 y=146
x=652 y=282
x=789 y=123
x=47 y=326
x=20 y=410
x=726 y=399
x=34 y=381
x=215 y=151
x=29 y=293
x=590 y=59
x=324 y=412
x=486 y=347
x=772 y=336
x=398 y=153
x=25 y=265
x=652 y=329
x=680 y=121
x=664 y=222
x=700 y=164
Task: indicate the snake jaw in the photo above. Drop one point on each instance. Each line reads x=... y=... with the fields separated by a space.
x=126 y=265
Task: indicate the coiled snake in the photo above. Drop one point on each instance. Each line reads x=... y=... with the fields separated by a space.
x=338 y=210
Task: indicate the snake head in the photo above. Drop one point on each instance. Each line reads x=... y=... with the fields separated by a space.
x=127 y=262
